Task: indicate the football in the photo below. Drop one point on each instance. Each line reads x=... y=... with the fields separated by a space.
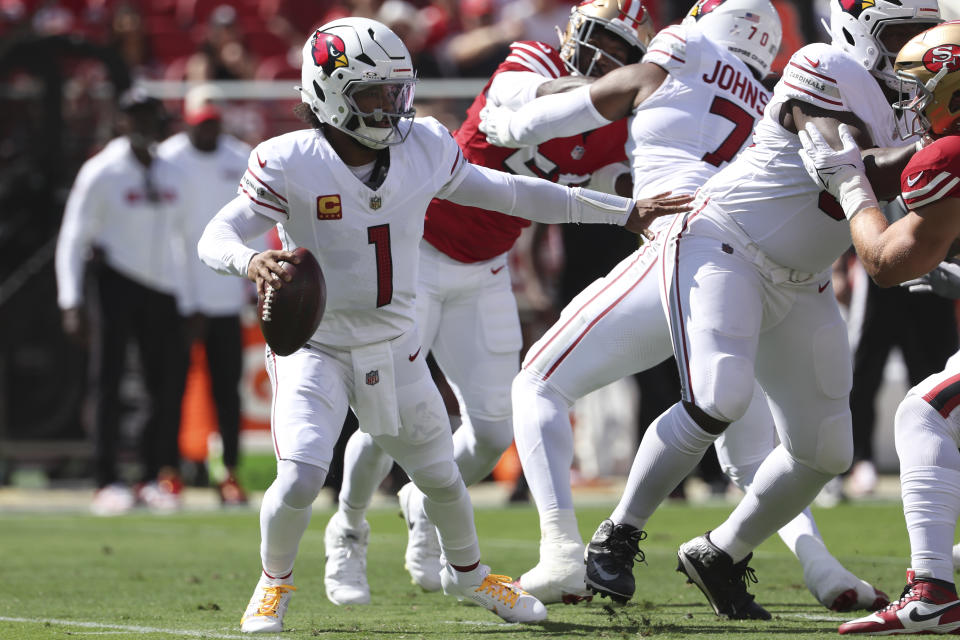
x=289 y=315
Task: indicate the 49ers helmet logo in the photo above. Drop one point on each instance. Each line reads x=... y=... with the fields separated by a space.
x=856 y=7
x=703 y=7
x=944 y=55
x=329 y=52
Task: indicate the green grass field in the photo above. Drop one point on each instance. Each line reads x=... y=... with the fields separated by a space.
x=189 y=576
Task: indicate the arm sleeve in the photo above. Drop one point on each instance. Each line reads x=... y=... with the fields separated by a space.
x=556 y=116
x=81 y=219
x=536 y=199
x=222 y=247
x=513 y=89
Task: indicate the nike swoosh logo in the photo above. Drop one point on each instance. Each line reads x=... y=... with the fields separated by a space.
x=920 y=617
x=603 y=574
x=261 y=162
x=912 y=181
x=414 y=357
x=823 y=286
x=811 y=62
x=497 y=270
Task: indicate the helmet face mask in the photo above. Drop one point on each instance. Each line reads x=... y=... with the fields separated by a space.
x=357 y=76
x=928 y=69
x=874 y=31
x=591 y=25
x=750 y=29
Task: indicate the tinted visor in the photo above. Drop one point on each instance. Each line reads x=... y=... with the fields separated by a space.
x=379 y=98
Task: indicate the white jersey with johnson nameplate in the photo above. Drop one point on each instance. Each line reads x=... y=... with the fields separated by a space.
x=366 y=241
x=700 y=117
x=769 y=194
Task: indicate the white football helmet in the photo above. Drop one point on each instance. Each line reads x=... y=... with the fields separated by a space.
x=352 y=55
x=749 y=28
x=873 y=31
x=627 y=19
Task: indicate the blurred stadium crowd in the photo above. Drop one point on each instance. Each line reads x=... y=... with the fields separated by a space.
x=62 y=64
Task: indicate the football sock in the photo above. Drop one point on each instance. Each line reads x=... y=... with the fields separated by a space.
x=671 y=448
x=365 y=466
x=449 y=509
x=781 y=488
x=802 y=527
x=285 y=513
x=544 y=437
x=558 y=526
x=931 y=504
x=929 y=485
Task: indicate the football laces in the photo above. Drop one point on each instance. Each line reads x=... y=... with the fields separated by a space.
x=267 y=301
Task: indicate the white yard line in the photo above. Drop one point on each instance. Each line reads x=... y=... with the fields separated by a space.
x=131 y=628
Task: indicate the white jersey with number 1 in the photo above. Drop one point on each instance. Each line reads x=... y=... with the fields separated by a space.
x=367 y=241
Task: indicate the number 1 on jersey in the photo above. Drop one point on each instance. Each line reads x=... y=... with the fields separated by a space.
x=379 y=237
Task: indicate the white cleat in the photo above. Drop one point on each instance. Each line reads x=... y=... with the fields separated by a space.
x=558 y=577
x=267 y=606
x=422 y=558
x=345 y=573
x=493 y=592
x=840 y=590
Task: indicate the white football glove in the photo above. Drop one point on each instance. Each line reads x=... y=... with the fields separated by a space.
x=943 y=281
x=495 y=123
x=840 y=172
x=825 y=164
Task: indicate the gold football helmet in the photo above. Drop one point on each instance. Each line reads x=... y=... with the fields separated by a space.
x=929 y=70
x=626 y=19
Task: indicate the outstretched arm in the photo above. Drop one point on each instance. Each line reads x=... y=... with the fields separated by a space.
x=569 y=113
x=544 y=201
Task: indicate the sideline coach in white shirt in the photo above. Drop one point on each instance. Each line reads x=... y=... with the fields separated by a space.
x=123 y=221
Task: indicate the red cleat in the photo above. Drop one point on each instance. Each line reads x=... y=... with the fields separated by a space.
x=924 y=607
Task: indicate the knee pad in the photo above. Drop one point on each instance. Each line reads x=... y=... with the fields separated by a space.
x=299 y=483
x=440 y=481
x=727 y=388
x=834 y=449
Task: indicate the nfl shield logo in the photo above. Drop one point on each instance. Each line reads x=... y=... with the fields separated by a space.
x=375 y=202
x=373 y=377
x=577 y=152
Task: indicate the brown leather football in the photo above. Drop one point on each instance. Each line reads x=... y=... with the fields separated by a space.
x=291 y=314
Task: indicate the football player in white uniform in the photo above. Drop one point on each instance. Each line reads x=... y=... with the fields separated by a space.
x=746 y=286
x=692 y=105
x=465 y=288
x=353 y=190
x=927 y=424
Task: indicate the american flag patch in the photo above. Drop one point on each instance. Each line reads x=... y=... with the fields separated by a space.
x=752 y=17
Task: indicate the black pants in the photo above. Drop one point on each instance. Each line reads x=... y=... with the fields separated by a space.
x=223 y=342
x=124 y=310
x=922 y=325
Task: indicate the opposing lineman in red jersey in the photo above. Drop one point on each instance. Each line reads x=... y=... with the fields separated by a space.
x=927 y=423
x=692 y=105
x=464 y=281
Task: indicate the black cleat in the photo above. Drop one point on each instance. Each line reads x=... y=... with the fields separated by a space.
x=609 y=558
x=723 y=582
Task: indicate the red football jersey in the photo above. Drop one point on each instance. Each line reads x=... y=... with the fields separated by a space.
x=933 y=173
x=470 y=234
